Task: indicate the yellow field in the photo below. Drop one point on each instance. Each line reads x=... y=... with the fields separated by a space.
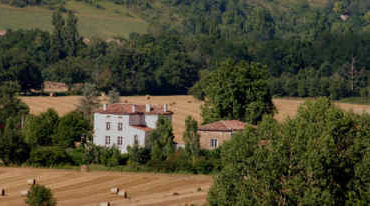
x=74 y=188
x=182 y=106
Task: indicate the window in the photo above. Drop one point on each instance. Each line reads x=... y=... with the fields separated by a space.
x=119 y=141
x=136 y=140
x=107 y=140
x=120 y=126
x=214 y=143
x=107 y=125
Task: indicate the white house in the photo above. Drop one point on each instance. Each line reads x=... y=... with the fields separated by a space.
x=124 y=125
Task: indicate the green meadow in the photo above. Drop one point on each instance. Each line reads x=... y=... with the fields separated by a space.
x=109 y=21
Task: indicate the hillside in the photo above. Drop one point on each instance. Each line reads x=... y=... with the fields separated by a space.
x=109 y=21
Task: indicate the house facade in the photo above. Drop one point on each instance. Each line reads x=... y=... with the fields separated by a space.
x=216 y=133
x=123 y=125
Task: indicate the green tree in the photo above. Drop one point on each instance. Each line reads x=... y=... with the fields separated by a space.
x=71 y=36
x=57 y=50
x=114 y=96
x=39 y=130
x=71 y=70
x=191 y=137
x=237 y=90
x=161 y=139
x=71 y=128
x=10 y=105
x=318 y=158
x=39 y=195
x=13 y=149
x=89 y=102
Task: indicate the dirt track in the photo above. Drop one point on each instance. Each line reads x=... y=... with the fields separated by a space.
x=74 y=188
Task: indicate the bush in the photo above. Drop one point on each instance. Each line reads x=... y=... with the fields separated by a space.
x=138 y=155
x=48 y=156
x=40 y=196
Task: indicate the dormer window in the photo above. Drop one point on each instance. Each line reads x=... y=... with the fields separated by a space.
x=120 y=126
x=107 y=125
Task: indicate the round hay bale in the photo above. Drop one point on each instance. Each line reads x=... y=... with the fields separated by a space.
x=31 y=181
x=84 y=168
x=24 y=193
x=114 y=190
x=104 y=204
x=122 y=194
x=2 y=192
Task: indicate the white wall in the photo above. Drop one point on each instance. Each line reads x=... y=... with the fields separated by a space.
x=128 y=132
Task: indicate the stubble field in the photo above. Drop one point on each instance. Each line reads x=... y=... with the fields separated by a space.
x=182 y=106
x=74 y=188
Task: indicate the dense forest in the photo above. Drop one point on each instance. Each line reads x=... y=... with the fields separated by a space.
x=309 y=49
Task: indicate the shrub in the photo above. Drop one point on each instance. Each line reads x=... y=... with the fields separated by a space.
x=49 y=156
x=138 y=155
x=40 y=196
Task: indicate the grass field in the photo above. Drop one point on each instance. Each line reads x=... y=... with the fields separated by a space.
x=182 y=106
x=113 y=20
x=74 y=188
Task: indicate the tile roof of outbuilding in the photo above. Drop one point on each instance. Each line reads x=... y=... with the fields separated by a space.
x=125 y=109
x=223 y=125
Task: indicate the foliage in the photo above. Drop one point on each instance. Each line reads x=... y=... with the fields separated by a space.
x=237 y=90
x=89 y=101
x=39 y=195
x=39 y=130
x=191 y=137
x=113 y=96
x=161 y=139
x=71 y=128
x=13 y=149
x=48 y=156
x=138 y=154
x=317 y=158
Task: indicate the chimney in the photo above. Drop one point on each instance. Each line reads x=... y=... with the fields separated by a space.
x=147 y=108
x=104 y=107
x=133 y=108
x=165 y=108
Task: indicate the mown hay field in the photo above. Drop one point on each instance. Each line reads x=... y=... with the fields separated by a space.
x=110 y=21
x=182 y=106
x=74 y=188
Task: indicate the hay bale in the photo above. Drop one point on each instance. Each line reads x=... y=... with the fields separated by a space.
x=24 y=193
x=84 y=168
x=2 y=192
x=114 y=190
x=31 y=181
x=104 y=204
x=122 y=194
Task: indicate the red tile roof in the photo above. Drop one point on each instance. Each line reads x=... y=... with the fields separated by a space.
x=124 y=109
x=143 y=128
x=223 y=125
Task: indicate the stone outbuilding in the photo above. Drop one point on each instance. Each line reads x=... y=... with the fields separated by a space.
x=214 y=134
